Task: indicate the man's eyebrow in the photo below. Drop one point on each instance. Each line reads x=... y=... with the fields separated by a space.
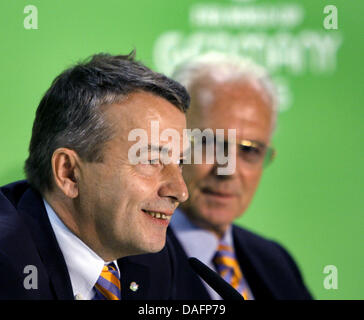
x=152 y=147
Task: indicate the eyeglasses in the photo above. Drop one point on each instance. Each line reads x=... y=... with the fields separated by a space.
x=251 y=152
x=256 y=152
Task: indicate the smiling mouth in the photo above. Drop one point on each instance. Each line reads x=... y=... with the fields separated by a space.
x=158 y=215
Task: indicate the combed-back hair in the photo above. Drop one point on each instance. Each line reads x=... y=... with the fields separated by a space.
x=69 y=114
x=221 y=67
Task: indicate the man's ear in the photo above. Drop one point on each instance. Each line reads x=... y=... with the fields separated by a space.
x=65 y=171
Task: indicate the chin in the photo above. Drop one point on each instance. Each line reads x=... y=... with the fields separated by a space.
x=152 y=249
x=218 y=218
x=157 y=248
x=145 y=250
x=154 y=246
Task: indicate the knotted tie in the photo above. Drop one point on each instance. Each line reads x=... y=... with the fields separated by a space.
x=227 y=266
x=107 y=286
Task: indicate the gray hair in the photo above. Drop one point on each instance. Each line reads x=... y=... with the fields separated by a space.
x=221 y=68
x=69 y=114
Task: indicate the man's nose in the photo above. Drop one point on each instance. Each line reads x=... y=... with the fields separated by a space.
x=174 y=186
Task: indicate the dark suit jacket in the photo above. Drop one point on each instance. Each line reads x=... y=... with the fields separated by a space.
x=27 y=238
x=268 y=268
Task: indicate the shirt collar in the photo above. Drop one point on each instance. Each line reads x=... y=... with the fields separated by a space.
x=83 y=264
x=197 y=242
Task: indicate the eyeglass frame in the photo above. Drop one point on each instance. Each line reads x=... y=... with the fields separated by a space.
x=270 y=151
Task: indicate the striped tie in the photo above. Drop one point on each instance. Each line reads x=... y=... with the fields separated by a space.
x=227 y=266
x=107 y=286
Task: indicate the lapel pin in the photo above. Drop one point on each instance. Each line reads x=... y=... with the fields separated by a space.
x=134 y=286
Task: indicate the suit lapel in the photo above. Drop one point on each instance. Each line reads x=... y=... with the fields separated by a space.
x=188 y=281
x=252 y=268
x=134 y=278
x=32 y=209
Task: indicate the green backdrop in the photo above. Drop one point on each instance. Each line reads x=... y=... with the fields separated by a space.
x=311 y=198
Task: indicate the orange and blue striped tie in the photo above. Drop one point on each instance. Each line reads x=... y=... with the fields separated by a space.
x=107 y=286
x=227 y=266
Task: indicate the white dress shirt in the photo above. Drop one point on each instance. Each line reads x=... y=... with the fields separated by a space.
x=84 y=265
x=200 y=243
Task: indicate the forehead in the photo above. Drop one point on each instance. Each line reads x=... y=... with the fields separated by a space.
x=235 y=105
x=139 y=109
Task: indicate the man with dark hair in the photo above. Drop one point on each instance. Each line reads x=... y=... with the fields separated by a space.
x=67 y=231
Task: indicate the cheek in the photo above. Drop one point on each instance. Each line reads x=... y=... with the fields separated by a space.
x=250 y=180
x=144 y=171
x=140 y=189
x=128 y=199
x=193 y=174
x=124 y=189
x=97 y=186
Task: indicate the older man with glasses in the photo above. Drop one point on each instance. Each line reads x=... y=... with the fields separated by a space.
x=230 y=93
